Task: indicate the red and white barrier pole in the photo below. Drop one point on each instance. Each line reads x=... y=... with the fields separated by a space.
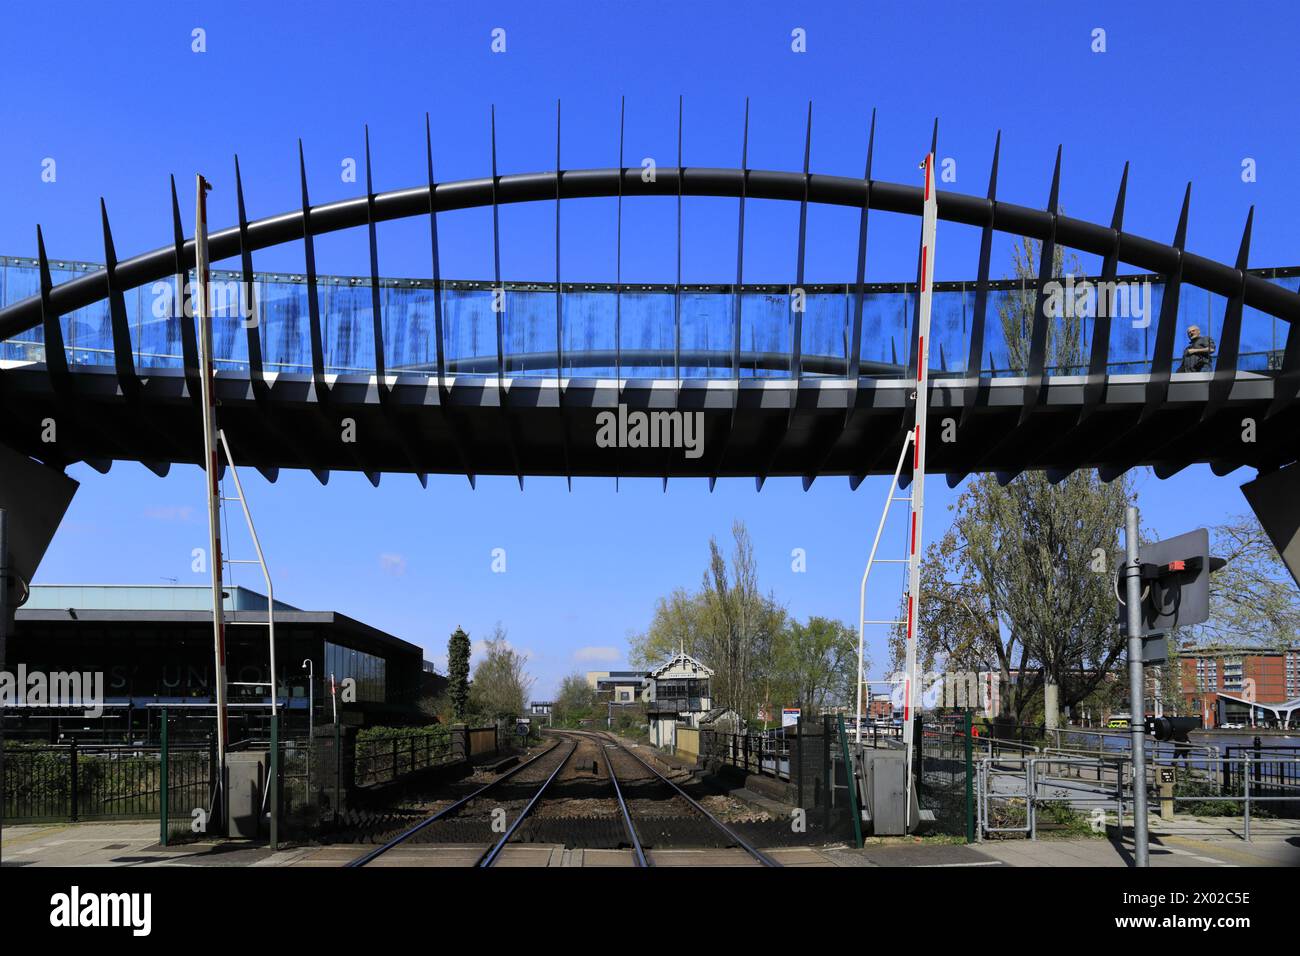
x=911 y=682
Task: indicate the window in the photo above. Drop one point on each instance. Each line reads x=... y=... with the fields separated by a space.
x=368 y=670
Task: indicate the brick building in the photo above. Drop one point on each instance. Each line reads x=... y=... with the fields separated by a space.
x=1238 y=673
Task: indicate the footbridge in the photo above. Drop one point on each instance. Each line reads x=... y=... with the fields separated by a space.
x=436 y=374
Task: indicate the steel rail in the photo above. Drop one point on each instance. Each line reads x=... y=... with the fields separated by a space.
x=491 y=855
x=757 y=854
x=638 y=852
x=448 y=810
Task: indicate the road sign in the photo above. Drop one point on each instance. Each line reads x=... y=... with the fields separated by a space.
x=790 y=716
x=1155 y=648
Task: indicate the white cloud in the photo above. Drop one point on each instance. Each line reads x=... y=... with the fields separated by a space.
x=394 y=564
x=597 y=654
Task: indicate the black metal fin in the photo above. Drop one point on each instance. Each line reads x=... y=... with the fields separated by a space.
x=56 y=357
x=979 y=314
x=123 y=360
x=181 y=302
x=1095 y=385
x=796 y=340
x=1037 y=370
x=249 y=300
x=1225 y=366
x=376 y=300
x=1157 y=389
x=313 y=300
x=855 y=334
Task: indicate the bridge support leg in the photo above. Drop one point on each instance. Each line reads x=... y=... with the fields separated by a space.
x=35 y=497
x=1275 y=499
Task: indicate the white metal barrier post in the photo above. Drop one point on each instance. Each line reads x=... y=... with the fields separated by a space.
x=911 y=684
x=207 y=372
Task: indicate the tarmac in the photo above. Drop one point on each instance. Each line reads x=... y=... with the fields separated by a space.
x=1190 y=843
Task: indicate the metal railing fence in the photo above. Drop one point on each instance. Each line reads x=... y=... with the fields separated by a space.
x=54 y=782
x=767 y=754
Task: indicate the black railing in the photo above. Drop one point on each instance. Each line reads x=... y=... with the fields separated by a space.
x=1275 y=767
x=764 y=754
x=74 y=781
x=385 y=760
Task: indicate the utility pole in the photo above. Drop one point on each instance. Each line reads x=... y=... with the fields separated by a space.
x=207 y=373
x=1136 y=685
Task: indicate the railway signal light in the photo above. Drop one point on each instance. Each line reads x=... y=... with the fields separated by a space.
x=1172 y=728
x=1175 y=576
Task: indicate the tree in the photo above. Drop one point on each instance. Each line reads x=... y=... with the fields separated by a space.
x=742 y=622
x=815 y=664
x=1021 y=584
x=576 y=699
x=1252 y=597
x=458 y=674
x=501 y=684
x=679 y=623
x=728 y=624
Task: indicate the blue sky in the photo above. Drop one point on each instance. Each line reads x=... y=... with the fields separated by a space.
x=1184 y=92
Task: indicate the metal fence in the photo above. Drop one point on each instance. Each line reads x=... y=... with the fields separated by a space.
x=386 y=760
x=1081 y=791
x=767 y=754
x=49 y=782
x=1273 y=770
x=944 y=771
x=1019 y=793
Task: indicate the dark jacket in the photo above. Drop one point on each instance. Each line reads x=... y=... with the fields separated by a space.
x=1200 y=361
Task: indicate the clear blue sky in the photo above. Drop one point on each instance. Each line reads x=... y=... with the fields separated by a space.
x=115 y=95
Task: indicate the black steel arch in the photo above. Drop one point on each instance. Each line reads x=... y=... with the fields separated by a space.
x=1104 y=241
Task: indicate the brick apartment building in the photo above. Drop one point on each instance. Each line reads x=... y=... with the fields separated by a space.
x=1216 y=679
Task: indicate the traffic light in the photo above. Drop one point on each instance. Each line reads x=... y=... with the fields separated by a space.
x=1172 y=728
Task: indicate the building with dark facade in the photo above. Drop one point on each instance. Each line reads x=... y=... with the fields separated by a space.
x=154 y=646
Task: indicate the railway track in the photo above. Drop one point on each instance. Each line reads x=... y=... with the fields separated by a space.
x=544 y=765
x=651 y=809
x=650 y=777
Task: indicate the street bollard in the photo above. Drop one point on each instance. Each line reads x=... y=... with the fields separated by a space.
x=1167 y=777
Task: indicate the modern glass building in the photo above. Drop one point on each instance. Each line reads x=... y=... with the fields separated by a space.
x=153 y=646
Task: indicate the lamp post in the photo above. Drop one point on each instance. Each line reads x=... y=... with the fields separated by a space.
x=310 y=667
